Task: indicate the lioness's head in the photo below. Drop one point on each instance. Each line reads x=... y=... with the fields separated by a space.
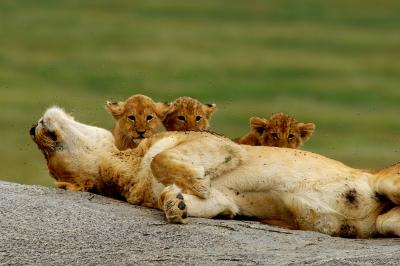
x=136 y=118
x=188 y=114
x=70 y=148
x=281 y=130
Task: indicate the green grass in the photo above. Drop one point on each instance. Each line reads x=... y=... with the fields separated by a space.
x=336 y=63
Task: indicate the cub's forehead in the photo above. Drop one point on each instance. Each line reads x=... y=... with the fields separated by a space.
x=138 y=109
x=140 y=100
x=282 y=119
x=138 y=105
x=188 y=106
x=283 y=123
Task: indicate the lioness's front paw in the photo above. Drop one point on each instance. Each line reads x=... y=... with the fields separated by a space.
x=200 y=188
x=174 y=206
x=176 y=210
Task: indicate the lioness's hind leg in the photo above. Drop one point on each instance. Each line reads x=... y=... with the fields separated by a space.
x=387 y=182
x=389 y=223
x=216 y=204
x=169 y=169
x=177 y=206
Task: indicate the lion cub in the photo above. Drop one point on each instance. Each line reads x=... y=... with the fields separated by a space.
x=280 y=130
x=136 y=118
x=188 y=114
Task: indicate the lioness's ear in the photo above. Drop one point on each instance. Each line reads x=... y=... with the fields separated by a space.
x=162 y=109
x=116 y=108
x=306 y=130
x=85 y=185
x=258 y=124
x=209 y=109
x=67 y=186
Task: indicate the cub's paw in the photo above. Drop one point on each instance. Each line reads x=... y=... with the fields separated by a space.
x=173 y=204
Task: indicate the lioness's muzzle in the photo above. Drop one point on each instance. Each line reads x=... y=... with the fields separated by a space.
x=33 y=130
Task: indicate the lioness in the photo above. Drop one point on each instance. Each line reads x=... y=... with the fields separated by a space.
x=203 y=175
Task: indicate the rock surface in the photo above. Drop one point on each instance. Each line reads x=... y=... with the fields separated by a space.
x=45 y=226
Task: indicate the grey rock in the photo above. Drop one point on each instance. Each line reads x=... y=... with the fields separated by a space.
x=45 y=226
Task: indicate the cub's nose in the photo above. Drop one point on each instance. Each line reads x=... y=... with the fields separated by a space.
x=33 y=130
x=141 y=132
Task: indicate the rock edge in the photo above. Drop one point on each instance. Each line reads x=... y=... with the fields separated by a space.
x=46 y=226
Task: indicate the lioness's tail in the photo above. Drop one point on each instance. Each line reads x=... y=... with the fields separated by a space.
x=389 y=171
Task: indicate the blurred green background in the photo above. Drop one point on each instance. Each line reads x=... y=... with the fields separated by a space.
x=335 y=63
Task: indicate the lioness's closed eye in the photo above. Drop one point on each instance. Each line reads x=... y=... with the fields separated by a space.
x=280 y=130
x=136 y=118
x=188 y=114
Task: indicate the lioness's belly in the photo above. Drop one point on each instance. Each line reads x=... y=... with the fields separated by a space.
x=303 y=190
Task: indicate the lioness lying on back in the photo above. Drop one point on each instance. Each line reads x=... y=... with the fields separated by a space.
x=136 y=118
x=188 y=114
x=280 y=130
x=203 y=175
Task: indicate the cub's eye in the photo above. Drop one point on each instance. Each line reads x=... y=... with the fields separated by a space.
x=274 y=136
x=291 y=136
x=149 y=117
x=198 y=118
x=182 y=118
x=132 y=118
x=53 y=135
x=260 y=130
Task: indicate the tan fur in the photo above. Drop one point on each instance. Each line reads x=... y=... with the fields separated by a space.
x=280 y=130
x=203 y=175
x=188 y=114
x=136 y=118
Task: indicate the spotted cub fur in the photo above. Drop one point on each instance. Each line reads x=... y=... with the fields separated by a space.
x=136 y=118
x=280 y=130
x=188 y=114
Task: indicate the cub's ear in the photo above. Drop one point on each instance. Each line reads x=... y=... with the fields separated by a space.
x=116 y=108
x=258 y=124
x=162 y=109
x=306 y=130
x=209 y=109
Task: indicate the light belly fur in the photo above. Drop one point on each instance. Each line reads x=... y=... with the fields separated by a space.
x=303 y=190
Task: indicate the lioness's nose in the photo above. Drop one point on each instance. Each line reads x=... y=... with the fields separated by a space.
x=33 y=129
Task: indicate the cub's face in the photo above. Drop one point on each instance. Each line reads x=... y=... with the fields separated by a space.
x=137 y=118
x=281 y=131
x=188 y=114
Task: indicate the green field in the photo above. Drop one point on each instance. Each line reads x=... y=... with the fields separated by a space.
x=335 y=63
